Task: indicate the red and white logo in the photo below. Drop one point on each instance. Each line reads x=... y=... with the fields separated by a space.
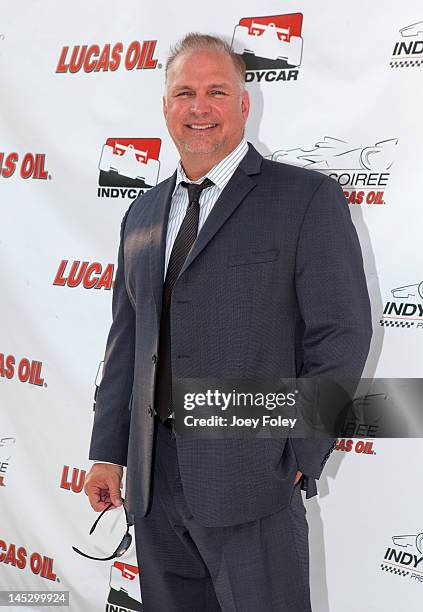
x=124 y=587
x=88 y=275
x=29 y=165
x=28 y=371
x=73 y=481
x=139 y=55
x=359 y=447
x=269 y=45
x=128 y=165
x=18 y=557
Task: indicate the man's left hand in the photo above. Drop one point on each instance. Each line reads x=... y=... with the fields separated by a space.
x=297 y=477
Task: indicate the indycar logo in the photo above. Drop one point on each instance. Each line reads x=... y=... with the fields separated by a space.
x=408 y=53
x=362 y=172
x=124 y=588
x=271 y=46
x=406 y=310
x=405 y=557
x=128 y=165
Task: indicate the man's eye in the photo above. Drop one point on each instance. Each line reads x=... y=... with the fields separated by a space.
x=183 y=93
x=218 y=92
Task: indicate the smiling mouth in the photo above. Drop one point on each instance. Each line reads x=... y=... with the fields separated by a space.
x=201 y=127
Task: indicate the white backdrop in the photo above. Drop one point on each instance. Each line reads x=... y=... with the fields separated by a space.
x=348 y=105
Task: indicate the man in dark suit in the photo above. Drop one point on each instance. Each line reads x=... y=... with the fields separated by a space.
x=234 y=267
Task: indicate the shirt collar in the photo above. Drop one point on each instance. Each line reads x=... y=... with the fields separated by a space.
x=221 y=172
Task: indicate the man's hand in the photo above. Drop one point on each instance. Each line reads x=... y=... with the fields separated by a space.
x=297 y=478
x=103 y=484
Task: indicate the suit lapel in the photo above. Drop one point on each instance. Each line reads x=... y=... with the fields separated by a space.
x=240 y=184
x=231 y=197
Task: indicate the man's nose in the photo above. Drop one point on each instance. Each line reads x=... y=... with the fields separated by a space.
x=200 y=105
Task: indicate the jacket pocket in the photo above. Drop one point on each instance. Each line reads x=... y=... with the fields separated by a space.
x=252 y=257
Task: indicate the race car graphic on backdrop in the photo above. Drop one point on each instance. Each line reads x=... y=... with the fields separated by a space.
x=409 y=541
x=362 y=171
x=336 y=154
x=416 y=29
x=408 y=291
x=269 y=42
x=130 y=162
x=124 y=587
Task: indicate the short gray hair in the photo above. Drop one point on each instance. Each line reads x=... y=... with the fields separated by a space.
x=195 y=41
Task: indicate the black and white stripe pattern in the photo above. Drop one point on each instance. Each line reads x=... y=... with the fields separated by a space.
x=220 y=175
x=186 y=236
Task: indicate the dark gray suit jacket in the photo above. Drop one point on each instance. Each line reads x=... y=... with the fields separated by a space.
x=273 y=287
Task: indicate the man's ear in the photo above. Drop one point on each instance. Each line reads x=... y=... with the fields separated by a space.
x=245 y=104
x=165 y=108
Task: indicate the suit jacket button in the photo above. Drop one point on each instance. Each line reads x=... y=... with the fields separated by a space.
x=154 y=358
x=150 y=410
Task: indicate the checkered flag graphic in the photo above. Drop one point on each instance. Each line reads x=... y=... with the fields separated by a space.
x=406 y=63
x=394 y=570
x=406 y=324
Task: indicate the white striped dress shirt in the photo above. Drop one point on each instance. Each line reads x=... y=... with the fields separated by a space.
x=220 y=174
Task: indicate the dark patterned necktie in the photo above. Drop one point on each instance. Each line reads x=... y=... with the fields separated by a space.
x=181 y=247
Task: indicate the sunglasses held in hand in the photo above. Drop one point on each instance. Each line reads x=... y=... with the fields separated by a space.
x=125 y=542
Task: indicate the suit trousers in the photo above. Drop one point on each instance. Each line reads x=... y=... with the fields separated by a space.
x=187 y=567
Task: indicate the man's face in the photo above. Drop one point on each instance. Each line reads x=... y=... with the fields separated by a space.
x=204 y=107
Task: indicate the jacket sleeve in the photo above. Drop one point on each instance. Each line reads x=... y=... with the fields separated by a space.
x=110 y=433
x=334 y=306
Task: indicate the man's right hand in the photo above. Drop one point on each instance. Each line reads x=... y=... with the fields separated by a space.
x=103 y=484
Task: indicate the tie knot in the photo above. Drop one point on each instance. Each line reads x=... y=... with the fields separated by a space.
x=194 y=189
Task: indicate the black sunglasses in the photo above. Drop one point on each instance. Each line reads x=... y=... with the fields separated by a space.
x=123 y=546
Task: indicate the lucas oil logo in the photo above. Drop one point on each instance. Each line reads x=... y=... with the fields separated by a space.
x=362 y=170
x=29 y=165
x=139 y=55
x=271 y=46
x=128 y=167
x=89 y=275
